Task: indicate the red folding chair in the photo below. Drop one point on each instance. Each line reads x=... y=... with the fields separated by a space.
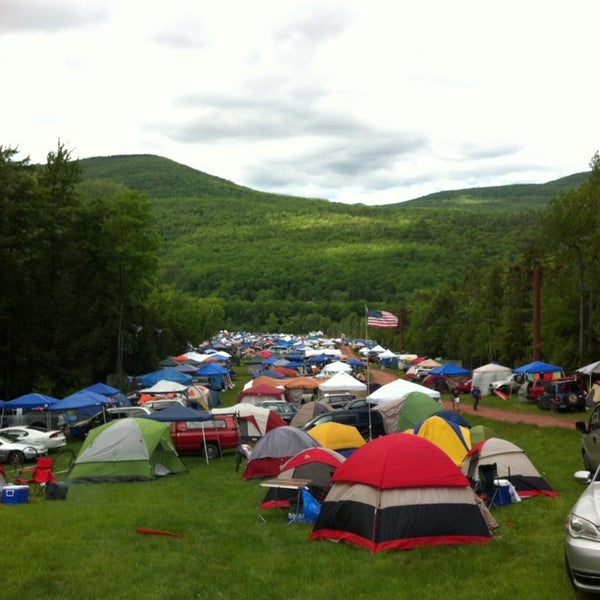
x=41 y=475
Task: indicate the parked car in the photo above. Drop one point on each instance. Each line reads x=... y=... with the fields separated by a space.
x=358 y=403
x=286 y=410
x=509 y=385
x=590 y=440
x=562 y=395
x=13 y=451
x=368 y=422
x=80 y=429
x=337 y=400
x=582 y=543
x=206 y=437
x=51 y=438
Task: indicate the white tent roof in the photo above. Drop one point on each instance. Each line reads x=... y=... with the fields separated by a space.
x=337 y=367
x=165 y=387
x=492 y=368
x=399 y=388
x=342 y=382
x=388 y=354
x=589 y=369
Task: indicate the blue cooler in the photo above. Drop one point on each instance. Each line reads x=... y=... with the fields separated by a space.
x=501 y=494
x=15 y=494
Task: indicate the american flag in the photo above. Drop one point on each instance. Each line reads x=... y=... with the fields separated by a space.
x=381 y=319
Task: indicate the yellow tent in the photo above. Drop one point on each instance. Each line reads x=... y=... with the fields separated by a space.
x=337 y=436
x=453 y=439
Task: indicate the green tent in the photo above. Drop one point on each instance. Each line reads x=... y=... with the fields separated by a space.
x=131 y=449
x=480 y=433
x=416 y=408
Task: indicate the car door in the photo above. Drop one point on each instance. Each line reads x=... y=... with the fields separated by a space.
x=591 y=440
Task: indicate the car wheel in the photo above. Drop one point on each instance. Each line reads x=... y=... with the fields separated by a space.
x=572 y=399
x=212 y=451
x=16 y=458
x=504 y=389
x=553 y=406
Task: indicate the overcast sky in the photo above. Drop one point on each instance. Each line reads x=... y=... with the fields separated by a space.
x=372 y=101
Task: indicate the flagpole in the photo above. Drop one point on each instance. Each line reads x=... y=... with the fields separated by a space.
x=368 y=376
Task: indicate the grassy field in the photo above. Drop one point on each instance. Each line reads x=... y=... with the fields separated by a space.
x=87 y=545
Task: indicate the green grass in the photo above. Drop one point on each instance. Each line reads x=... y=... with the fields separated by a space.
x=87 y=545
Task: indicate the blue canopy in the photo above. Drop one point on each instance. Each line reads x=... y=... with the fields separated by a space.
x=103 y=389
x=177 y=412
x=449 y=370
x=81 y=399
x=212 y=369
x=31 y=401
x=168 y=374
x=538 y=367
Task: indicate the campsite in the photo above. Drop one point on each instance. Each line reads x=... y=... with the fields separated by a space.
x=197 y=535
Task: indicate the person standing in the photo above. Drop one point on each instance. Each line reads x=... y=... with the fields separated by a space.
x=476 y=394
x=456 y=399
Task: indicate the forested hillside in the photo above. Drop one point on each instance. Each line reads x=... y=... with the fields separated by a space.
x=228 y=240
x=298 y=264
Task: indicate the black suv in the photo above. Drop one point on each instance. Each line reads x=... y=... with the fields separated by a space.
x=358 y=417
x=566 y=394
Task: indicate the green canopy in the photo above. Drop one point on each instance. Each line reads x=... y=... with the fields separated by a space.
x=417 y=407
x=131 y=449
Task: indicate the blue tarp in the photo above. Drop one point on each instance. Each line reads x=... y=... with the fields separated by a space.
x=168 y=374
x=177 y=412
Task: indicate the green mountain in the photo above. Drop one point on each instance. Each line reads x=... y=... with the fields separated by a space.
x=243 y=245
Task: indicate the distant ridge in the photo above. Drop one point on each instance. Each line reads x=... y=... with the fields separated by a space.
x=160 y=177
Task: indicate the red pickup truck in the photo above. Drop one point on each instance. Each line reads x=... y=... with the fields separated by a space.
x=210 y=437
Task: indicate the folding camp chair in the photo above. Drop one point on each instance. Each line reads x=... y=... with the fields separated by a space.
x=487 y=486
x=41 y=475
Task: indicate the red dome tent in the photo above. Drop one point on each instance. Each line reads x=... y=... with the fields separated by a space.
x=400 y=491
x=274 y=449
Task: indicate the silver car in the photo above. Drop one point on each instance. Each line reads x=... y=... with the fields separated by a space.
x=14 y=451
x=582 y=548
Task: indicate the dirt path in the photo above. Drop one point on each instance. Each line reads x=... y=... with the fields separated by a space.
x=496 y=414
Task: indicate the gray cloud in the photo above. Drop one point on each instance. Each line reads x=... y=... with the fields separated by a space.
x=184 y=34
x=44 y=17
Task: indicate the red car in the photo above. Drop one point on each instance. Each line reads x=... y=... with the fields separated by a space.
x=210 y=437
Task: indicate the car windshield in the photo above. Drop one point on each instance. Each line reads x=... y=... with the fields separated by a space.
x=8 y=438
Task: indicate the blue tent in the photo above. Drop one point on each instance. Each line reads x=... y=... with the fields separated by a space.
x=168 y=374
x=31 y=401
x=449 y=370
x=538 y=367
x=216 y=375
x=81 y=399
x=110 y=392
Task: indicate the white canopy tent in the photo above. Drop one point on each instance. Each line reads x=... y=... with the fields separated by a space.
x=342 y=382
x=486 y=374
x=399 y=388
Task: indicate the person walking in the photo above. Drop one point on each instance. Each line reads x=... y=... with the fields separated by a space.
x=476 y=395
